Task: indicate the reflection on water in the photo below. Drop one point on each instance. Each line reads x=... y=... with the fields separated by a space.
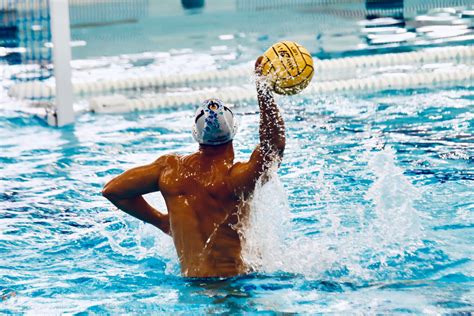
x=327 y=28
x=399 y=25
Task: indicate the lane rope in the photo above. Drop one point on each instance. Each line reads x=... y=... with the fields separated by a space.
x=449 y=77
x=324 y=70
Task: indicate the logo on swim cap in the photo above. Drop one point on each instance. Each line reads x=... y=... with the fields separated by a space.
x=213 y=123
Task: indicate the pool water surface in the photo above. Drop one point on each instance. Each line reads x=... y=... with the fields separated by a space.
x=371 y=211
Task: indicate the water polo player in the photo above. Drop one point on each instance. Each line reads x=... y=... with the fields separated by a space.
x=205 y=192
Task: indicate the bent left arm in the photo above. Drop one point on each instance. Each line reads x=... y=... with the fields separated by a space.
x=125 y=192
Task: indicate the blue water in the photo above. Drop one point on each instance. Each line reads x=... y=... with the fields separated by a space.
x=371 y=211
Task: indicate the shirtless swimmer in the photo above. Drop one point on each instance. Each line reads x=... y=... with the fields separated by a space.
x=206 y=193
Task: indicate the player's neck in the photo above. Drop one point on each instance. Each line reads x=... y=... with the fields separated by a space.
x=218 y=151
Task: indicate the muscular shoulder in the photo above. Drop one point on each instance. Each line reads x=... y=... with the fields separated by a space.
x=244 y=175
x=167 y=160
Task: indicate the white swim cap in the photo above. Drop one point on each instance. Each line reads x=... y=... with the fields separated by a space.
x=214 y=123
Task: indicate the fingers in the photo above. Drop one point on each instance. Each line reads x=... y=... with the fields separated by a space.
x=258 y=65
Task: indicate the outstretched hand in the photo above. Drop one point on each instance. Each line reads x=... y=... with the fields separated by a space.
x=261 y=81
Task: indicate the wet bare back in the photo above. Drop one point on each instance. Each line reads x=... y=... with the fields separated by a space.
x=204 y=214
x=206 y=195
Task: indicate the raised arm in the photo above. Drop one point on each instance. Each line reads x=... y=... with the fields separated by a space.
x=272 y=126
x=272 y=139
x=125 y=191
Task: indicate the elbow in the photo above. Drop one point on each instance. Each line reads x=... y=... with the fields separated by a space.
x=276 y=149
x=108 y=192
x=280 y=146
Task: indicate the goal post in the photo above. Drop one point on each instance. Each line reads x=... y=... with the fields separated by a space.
x=63 y=111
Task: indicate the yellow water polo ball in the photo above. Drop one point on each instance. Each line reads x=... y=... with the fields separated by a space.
x=288 y=66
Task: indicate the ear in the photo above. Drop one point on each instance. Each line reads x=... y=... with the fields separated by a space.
x=227 y=109
x=197 y=117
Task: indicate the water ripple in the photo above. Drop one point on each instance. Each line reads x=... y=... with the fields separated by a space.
x=374 y=203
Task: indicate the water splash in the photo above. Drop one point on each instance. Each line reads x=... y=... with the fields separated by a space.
x=266 y=227
x=387 y=228
x=393 y=196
